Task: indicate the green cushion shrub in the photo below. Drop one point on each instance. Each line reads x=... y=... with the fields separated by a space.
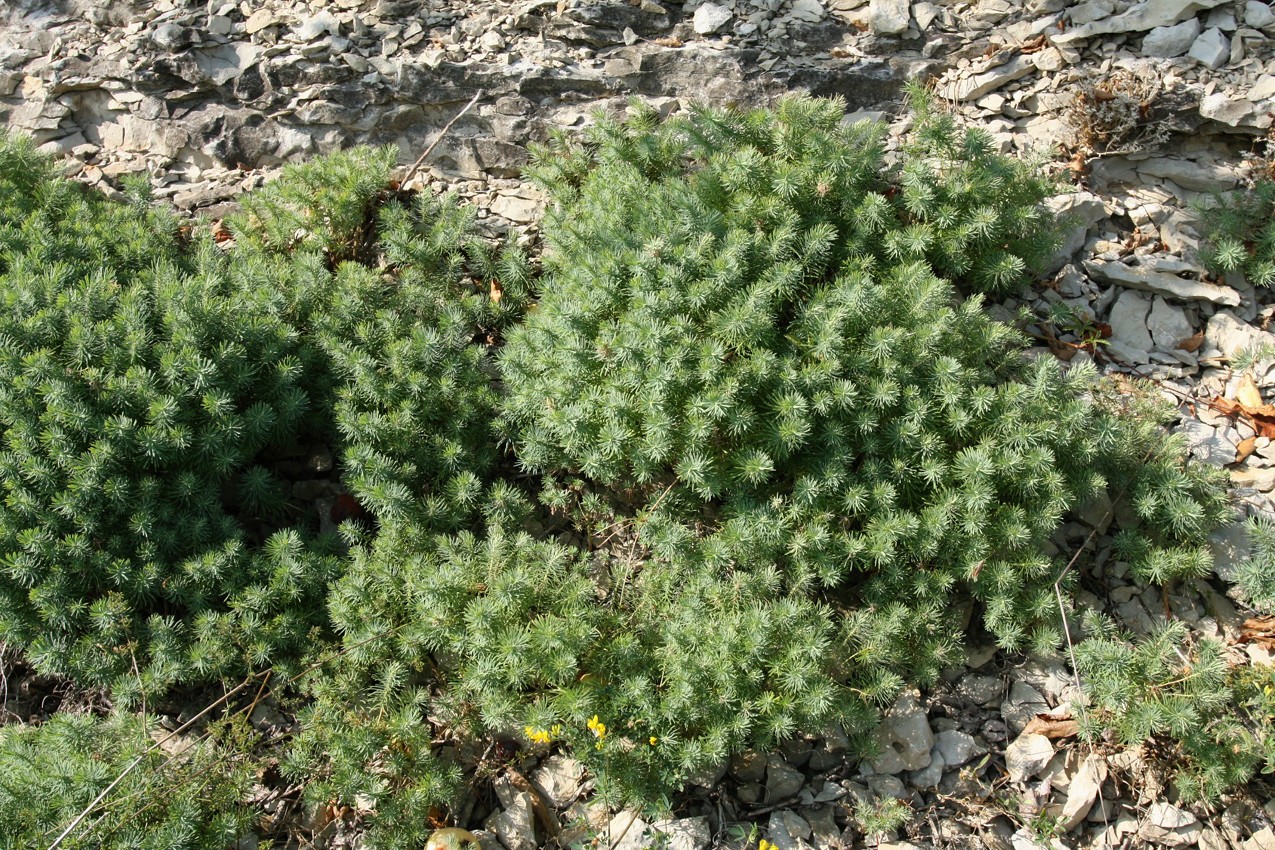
x=774 y=457
x=51 y=772
x=1208 y=725
x=1239 y=233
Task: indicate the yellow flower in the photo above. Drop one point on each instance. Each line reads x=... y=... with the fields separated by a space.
x=540 y=736
x=766 y=845
x=654 y=740
x=597 y=727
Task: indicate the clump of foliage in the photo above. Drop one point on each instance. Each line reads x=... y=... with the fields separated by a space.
x=1209 y=724
x=1255 y=577
x=50 y=773
x=1118 y=113
x=136 y=385
x=399 y=301
x=1239 y=233
x=766 y=442
x=787 y=443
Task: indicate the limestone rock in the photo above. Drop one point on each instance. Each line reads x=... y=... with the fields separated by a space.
x=1206 y=443
x=889 y=17
x=782 y=781
x=259 y=20
x=682 y=833
x=1212 y=49
x=1170 y=826
x=904 y=737
x=1258 y=14
x=1228 y=110
x=1168 y=42
x=1161 y=280
x=1028 y=756
x=972 y=88
x=1082 y=791
x=710 y=18
x=1128 y=320
x=1024 y=703
x=1168 y=325
x=956 y=747
x=1190 y=174
x=1143 y=16
x=1230 y=335
x=560 y=778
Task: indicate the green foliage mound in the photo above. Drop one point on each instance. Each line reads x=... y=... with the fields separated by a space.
x=131 y=393
x=736 y=473
x=1207 y=723
x=1240 y=233
x=398 y=300
x=148 y=382
x=779 y=453
x=50 y=773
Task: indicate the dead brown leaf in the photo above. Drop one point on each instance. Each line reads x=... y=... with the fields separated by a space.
x=1035 y=45
x=1259 y=630
x=1247 y=393
x=1192 y=343
x=1262 y=417
x=1245 y=448
x=1052 y=727
x=497 y=291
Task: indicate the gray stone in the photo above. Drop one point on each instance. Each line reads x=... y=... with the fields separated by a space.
x=1212 y=49
x=1263 y=89
x=1231 y=547
x=170 y=36
x=1090 y=11
x=956 y=747
x=928 y=777
x=626 y=831
x=1225 y=109
x=882 y=786
x=810 y=11
x=1207 y=444
x=683 y=833
x=980 y=690
x=1082 y=791
x=1189 y=174
x=782 y=781
x=1258 y=14
x=259 y=20
x=1081 y=211
x=972 y=88
x=710 y=18
x=514 y=822
x=924 y=13
x=904 y=737
x=1027 y=756
x=228 y=61
x=1024 y=703
x=787 y=830
x=1161 y=280
x=516 y=209
x=316 y=25
x=1167 y=42
x=748 y=766
x=1168 y=325
x=1144 y=16
x=1170 y=826
x=889 y=17
x=1128 y=320
x=561 y=779
x=1230 y=335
